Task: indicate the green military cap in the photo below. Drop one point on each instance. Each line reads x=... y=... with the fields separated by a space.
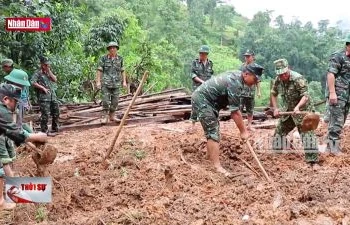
x=256 y=69
x=18 y=77
x=7 y=62
x=45 y=60
x=249 y=52
x=204 y=49
x=10 y=91
x=113 y=44
x=281 y=66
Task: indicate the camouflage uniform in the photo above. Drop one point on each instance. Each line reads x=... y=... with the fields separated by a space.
x=112 y=69
x=247 y=97
x=48 y=102
x=202 y=70
x=339 y=65
x=216 y=94
x=7 y=149
x=19 y=78
x=9 y=129
x=326 y=115
x=291 y=93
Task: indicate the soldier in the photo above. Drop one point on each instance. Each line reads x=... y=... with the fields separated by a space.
x=111 y=72
x=44 y=83
x=9 y=96
x=216 y=94
x=201 y=71
x=338 y=83
x=248 y=94
x=7 y=65
x=293 y=88
x=19 y=79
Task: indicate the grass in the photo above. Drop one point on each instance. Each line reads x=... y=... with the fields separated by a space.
x=40 y=214
x=140 y=154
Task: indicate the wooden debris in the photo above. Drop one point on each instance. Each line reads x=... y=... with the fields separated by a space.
x=166 y=106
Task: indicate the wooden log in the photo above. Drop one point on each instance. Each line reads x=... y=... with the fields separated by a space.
x=179 y=111
x=163 y=92
x=137 y=102
x=155 y=119
x=87 y=120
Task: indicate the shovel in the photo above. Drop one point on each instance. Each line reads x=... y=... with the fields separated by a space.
x=310 y=121
x=44 y=154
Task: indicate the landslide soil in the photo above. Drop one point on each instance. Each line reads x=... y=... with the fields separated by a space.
x=158 y=174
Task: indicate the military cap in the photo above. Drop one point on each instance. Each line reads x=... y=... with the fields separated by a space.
x=7 y=62
x=256 y=69
x=204 y=49
x=18 y=77
x=10 y=91
x=249 y=52
x=281 y=66
x=45 y=60
x=113 y=44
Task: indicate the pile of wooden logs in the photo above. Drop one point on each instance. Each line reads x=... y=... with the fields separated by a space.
x=162 y=107
x=166 y=106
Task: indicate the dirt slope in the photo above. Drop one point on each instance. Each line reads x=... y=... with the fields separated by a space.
x=158 y=174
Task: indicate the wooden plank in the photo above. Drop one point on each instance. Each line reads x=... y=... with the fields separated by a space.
x=178 y=111
x=123 y=104
x=129 y=121
x=87 y=120
x=163 y=92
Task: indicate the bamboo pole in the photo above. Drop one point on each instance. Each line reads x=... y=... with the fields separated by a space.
x=122 y=122
x=258 y=161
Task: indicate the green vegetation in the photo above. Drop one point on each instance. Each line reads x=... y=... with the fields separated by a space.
x=41 y=214
x=162 y=36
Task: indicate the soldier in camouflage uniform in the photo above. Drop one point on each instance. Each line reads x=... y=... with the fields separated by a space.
x=9 y=97
x=7 y=65
x=338 y=83
x=109 y=77
x=44 y=82
x=201 y=71
x=18 y=78
x=293 y=88
x=248 y=94
x=216 y=94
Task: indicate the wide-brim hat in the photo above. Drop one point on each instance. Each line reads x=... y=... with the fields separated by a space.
x=18 y=77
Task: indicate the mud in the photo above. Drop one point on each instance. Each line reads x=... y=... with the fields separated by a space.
x=159 y=174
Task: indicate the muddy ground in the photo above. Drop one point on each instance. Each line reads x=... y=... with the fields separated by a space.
x=158 y=174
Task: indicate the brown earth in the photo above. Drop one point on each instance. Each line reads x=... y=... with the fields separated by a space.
x=158 y=174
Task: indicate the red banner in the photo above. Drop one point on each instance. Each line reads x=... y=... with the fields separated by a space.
x=26 y=24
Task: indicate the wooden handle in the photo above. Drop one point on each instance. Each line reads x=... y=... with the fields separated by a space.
x=32 y=146
x=122 y=122
x=292 y=113
x=258 y=161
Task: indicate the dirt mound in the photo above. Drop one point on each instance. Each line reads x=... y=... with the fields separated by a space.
x=159 y=174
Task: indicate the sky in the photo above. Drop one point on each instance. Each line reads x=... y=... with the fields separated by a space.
x=304 y=10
